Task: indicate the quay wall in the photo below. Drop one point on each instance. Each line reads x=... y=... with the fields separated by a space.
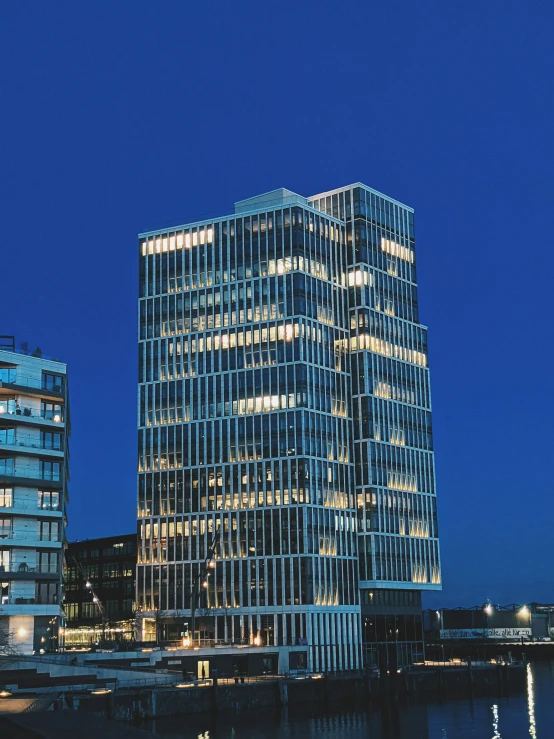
x=446 y=682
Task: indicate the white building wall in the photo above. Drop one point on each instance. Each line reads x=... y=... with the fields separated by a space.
x=21 y=410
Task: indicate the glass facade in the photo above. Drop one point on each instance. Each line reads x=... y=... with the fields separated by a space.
x=100 y=590
x=398 y=546
x=284 y=422
x=244 y=430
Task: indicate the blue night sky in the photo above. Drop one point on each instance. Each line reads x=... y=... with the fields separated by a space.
x=116 y=117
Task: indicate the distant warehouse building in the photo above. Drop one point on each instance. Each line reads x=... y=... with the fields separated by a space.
x=491 y=622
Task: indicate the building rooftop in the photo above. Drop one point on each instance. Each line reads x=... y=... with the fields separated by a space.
x=8 y=346
x=274 y=198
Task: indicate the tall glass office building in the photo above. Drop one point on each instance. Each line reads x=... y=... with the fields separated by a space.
x=283 y=427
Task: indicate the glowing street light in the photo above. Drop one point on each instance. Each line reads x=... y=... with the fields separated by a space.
x=489 y=609
x=523 y=611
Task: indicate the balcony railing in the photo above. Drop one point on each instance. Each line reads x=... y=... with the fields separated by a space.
x=19 y=567
x=10 y=600
x=46 y=475
x=7 y=409
x=53 y=538
x=15 y=378
x=28 y=444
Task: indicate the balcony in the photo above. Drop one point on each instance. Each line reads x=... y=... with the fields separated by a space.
x=30 y=446
x=10 y=600
x=9 y=410
x=28 y=541
x=26 y=509
x=21 y=571
x=10 y=475
x=11 y=381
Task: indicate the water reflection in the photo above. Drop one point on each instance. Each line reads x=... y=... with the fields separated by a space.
x=495 y=733
x=528 y=713
x=531 y=703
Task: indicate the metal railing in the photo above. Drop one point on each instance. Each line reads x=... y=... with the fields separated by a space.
x=27 y=537
x=27 y=412
x=11 y=600
x=15 y=378
x=29 y=444
x=47 y=475
x=43 y=701
x=19 y=567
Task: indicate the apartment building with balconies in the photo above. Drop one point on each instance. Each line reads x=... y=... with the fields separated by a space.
x=34 y=454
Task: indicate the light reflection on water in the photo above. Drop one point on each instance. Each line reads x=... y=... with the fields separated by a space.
x=531 y=702
x=531 y=714
x=496 y=734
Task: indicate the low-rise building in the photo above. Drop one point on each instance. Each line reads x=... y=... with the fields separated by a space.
x=490 y=622
x=100 y=590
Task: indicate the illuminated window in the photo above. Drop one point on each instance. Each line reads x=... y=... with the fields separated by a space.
x=379 y=346
x=359 y=277
x=6 y=497
x=396 y=250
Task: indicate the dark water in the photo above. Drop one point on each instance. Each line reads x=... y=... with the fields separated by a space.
x=528 y=715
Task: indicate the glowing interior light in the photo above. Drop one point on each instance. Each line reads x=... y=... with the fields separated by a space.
x=57 y=418
x=396 y=250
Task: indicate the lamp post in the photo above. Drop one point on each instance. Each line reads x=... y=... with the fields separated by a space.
x=525 y=613
x=488 y=612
